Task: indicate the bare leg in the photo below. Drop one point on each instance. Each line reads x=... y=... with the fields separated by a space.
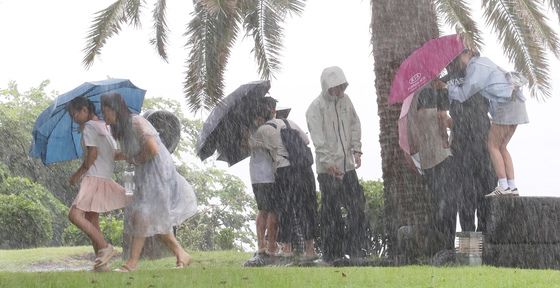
x=135 y=251
x=508 y=162
x=496 y=137
x=261 y=223
x=93 y=218
x=183 y=258
x=78 y=218
x=272 y=229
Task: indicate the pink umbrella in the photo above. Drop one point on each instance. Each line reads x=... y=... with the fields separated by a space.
x=417 y=70
x=424 y=65
x=404 y=141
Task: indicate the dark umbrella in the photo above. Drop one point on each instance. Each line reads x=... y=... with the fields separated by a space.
x=56 y=137
x=228 y=126
x=167 y=125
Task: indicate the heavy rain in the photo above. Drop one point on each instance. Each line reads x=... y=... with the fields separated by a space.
x=420 y=137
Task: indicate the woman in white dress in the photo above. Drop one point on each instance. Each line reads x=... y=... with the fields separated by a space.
x=163 y=198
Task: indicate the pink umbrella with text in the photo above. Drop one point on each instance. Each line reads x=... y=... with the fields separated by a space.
x=424 y=65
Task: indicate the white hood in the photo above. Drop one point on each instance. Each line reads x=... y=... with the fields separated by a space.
x=331 y=77
x=333 y=125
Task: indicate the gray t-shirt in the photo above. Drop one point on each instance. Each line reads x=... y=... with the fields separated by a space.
x=426 y=133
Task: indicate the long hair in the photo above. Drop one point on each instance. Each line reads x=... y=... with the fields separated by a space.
x=80 y=102
x=122 y=130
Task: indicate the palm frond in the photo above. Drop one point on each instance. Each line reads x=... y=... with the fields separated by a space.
x=531 y=13
x=107 y=23
x=211 y=35
x=262 y=22
x=288 y=7
x=220 y=6
x=160 y=28
x=456 y=13
x=133 y=11
x=519 y=43
x=555 y=6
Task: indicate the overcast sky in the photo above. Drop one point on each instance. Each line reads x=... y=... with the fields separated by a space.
x=43 y=40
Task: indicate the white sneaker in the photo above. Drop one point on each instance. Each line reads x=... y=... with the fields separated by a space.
x=515 y=192
x=499 y=191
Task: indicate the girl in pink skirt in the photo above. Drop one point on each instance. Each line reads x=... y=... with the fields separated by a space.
x=98 y=192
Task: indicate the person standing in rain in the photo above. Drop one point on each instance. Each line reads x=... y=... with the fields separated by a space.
x=296 y=195
x=473 y=173
x=261 y=170
x=427 y=125
x=507 y=110
x=336 y=134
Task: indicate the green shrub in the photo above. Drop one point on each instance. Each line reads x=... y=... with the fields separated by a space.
x=373 y=192
x=111 y=227
x=225 y=239
x=4 y=172
x=23 y=223
x=36 y=193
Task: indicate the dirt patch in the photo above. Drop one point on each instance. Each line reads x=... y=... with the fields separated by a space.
x=81 y=262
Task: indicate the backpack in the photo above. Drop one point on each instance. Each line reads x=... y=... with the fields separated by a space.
x=299 y=154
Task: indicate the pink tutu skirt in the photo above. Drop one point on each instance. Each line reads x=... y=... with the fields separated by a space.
x=100 y=195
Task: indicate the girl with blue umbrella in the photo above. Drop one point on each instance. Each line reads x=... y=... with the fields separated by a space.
x=98 y=192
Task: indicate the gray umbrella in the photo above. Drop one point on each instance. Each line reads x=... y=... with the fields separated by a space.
x=226 y=128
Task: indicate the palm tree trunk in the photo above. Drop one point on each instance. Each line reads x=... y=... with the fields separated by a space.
x=398 y=27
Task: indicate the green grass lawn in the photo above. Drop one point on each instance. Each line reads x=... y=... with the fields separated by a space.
x=224 y=269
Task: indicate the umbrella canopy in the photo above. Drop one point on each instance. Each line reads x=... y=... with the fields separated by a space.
x=424 y=65
x=403 y=125
x=56 y=137
x=167 y=125
x=226 y=128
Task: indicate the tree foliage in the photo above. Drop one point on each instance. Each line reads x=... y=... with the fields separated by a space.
x=211 y=34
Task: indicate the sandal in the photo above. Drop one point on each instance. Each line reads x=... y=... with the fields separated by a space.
x=124 y=269
x=102 y=268
x=185 y=262
x=105 y=255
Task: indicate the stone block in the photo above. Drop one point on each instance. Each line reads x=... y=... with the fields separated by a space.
x=523 y=220
x=531 y=256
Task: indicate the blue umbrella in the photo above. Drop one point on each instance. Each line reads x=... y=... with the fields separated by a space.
x=56 y=137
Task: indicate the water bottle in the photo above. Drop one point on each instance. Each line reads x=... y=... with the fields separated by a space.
x=128 y=180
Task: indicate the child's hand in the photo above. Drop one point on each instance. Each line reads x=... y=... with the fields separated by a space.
x=75 y=178
x=438 y=84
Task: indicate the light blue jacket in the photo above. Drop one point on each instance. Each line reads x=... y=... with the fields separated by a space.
x=483 y=76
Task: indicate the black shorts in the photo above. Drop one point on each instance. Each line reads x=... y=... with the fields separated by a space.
x=266 y=195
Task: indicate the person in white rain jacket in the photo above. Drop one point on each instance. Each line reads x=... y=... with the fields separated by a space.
x=335 y=131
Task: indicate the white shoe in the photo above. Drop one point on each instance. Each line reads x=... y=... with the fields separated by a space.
x=514 y=192
x=499 y=191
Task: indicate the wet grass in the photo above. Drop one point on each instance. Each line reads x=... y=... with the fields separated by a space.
x=224 y=269
x=18 y=260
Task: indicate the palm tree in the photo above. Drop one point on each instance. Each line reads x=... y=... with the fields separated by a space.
x=211 y=34
x=523 y=33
